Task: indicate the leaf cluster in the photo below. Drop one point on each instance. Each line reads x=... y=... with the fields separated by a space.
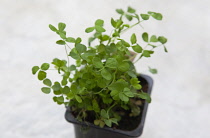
x=103 y=77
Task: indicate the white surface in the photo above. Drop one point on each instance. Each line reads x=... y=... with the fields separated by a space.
x=181 y=94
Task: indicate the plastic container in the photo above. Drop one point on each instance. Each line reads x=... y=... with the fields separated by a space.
x=88 y=130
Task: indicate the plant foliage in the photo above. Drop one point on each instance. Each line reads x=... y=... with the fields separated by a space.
x=103 y=76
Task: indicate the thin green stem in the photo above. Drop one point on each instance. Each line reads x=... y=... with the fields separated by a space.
x=67 y=54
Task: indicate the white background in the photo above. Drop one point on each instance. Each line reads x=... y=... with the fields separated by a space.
x=181 y=94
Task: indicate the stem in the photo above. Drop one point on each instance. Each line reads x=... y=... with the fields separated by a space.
x=67 y=54
x=130 y=27
x=111 y=107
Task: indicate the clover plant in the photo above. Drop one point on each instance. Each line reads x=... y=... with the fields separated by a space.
x=103 y=77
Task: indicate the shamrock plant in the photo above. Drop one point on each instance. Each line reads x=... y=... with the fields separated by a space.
x=103 y=78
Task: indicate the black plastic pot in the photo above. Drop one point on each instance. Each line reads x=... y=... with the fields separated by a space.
x=106 y=132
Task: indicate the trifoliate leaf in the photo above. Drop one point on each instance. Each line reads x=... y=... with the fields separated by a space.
x=46 y=90
x=35 y=69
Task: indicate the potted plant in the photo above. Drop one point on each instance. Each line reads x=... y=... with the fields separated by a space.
x=101 y=90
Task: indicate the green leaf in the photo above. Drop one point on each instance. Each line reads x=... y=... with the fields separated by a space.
x=96 y=107
x=119 y=23
x=61 y=26
x=60 y=99
x=137 y=48
x=78 y=98
x=133 y=38
x=157 y=16
x=62 y=35
x=123 y=97
x=72 y=67
x=147 y=53
x=96 y=122
x=46 y=90
x=80 y=48
x=66 y=90
x=144 y=16
x=45 y=66
x=56 y=86
x=120 y=11
x=35 y=69
x=128 y=92
x=153 y=38
x=99 y=22
x=165 y=49
x=70 y=39
x=162 y=39
x=99 y=29
x=42 y=75
x=135 y=83
x=111 y=63
x=97 y=62
x=145 y=96
x=132 y=74
x=74 y=55
x=60 y=42
x=78 y=40
x=104 y=114
x=118 y=85
x=124 y=66
x=131 y=10
x=153 y=71
x=89 y=29
x=106 y=74
x=52 y=28
x=105 y=38
x=145 y=36
x=113 y=22
x=108 y=122
x=129 y=17
x=47 y=82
